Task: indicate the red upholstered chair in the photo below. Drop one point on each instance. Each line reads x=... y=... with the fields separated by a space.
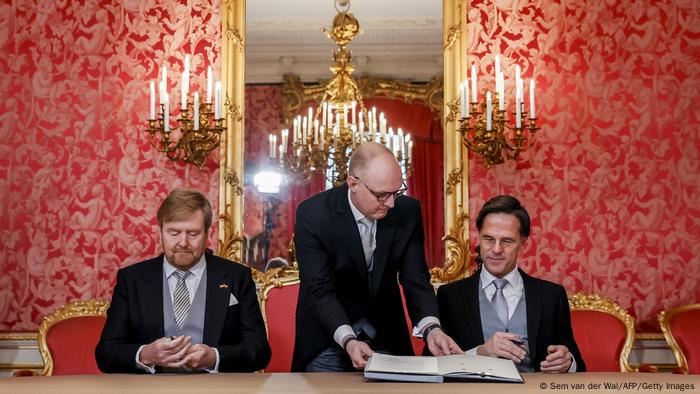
x=604 y=332
x=680 y=327
x=68 y=336
x=278 y=302
x=417 y=343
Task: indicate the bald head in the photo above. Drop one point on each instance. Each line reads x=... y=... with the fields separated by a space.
x=371 y=157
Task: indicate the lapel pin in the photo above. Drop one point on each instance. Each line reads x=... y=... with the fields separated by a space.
x=223 y=286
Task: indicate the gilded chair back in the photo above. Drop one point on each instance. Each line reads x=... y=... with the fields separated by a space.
x=680 y=328
x=278 y=302
x=68 y=336
x=604 y=332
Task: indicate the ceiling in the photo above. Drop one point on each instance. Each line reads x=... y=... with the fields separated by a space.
x=400 y=39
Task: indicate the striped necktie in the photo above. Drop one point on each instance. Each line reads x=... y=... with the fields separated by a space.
x=181 y=298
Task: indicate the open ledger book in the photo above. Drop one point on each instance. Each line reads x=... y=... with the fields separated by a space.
x=436 y=369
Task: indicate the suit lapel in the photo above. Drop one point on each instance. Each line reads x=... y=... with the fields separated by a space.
x=216 y=301
x=533 y=300
x=150 y=289
x=347 y=227
x=470 y=295
x=385 y=234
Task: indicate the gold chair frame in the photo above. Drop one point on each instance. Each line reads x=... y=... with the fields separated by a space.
x=664 y=318
x=72 y=309
x=595 y=302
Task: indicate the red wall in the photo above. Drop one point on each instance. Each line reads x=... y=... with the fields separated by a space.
x=614 y=182
x=79 y=182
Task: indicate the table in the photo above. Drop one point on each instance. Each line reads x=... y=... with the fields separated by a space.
x=596 y=382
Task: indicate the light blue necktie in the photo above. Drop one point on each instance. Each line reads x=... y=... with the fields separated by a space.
x=499 y=300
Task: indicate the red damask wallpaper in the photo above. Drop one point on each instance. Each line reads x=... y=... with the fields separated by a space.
x=79 y=182
x=614 y=182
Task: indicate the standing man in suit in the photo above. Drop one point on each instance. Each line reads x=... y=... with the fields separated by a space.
x=351 y=243
x=184 y=311
x=500 y=311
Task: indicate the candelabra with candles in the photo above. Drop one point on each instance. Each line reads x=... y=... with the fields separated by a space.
x=484 y=127
x=200 y=125
x=323 y=140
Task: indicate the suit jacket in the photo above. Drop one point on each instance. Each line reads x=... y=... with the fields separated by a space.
x=335 y=285
x=548 y=317
x=135 y=317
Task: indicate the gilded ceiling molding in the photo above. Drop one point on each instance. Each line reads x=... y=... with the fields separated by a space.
x=231 y=153
x=295 y=93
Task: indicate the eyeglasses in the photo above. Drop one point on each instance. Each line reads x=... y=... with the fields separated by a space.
x=384 y=196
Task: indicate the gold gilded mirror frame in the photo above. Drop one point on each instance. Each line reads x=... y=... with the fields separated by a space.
x=231 y=163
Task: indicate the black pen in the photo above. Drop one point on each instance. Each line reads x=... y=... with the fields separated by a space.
x=172 y=337
x=517 y=342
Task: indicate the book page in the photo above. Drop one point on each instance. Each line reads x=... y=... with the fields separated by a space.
x=479 y=365
x=402 y=364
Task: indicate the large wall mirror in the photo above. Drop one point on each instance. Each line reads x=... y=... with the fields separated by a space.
x=274 y=56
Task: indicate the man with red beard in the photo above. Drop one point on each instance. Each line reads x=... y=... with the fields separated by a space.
x=186 y=310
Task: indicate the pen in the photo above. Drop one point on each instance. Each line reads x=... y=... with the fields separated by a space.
x=172 y=337
x=517 y=342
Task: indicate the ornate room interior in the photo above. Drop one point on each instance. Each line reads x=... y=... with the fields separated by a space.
x=609 y=169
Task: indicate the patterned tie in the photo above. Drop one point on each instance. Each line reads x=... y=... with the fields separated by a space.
x=181 y=298
x=499 y=301
x=368 y=243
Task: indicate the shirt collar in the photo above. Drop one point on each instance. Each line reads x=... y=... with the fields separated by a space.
x=355 y=212
x=513 y=277
x=197 y=270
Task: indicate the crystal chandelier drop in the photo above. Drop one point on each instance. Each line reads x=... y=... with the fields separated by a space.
x=323 y=139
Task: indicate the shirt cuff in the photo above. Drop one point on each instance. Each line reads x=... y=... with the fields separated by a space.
x=472 y=351
x=423 y=323
x=572 y=368
x=141 y=365
x=216 y=366
x=342 y=332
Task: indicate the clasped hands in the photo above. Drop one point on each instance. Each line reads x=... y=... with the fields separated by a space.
x=438 y=342
x=509 y=345
x=176 y=352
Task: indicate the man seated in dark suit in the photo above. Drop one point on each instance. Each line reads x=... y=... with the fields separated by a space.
x=187 y=310
x=500 y=311
x=352 y=242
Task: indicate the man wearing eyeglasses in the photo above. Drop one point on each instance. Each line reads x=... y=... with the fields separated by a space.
x=500 y=311
x=352 y=243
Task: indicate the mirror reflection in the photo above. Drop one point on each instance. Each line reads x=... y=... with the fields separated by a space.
x=398 y=66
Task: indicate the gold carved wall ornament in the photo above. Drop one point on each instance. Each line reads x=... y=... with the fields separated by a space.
x=456 y=252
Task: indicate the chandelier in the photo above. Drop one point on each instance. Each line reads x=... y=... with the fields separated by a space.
x=199 y=126
x=484 y=127
x=323 y=140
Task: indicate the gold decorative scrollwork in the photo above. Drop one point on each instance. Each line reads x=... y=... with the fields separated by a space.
x=275 y=277
x=453 y=180
x=452 y=36
x=295 y=93
x=232 y=179
x=233 y=110
x=452 y=110
x=456 y=252
x=231 y=245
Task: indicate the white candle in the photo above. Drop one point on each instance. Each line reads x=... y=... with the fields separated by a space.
x=407 y=142
x=217 y=100
x=285 y=137
x=401 y=140
x=186 y=82
x=354 y=112
x=497 y=68
x=315 y=131
x=463 y=99
x=517 y=74
x=153 y=100
x=532 y=99
x=518 y=111
x=195 y=109
x=304 y=130
x=166 y=112
x=209 y=85
x=488 y=111
x=271 y=149
x=281 y=148
x=410 y=151
x=321 y=137
x=324 y=118
x=183 y=92
x=473 y=83
x=501 y=92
